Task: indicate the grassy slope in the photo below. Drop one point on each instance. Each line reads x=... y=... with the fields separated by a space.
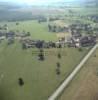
x=85 y=85
x=40 y=77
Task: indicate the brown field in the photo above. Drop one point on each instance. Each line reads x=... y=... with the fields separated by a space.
x=62 y=35
x=85 y=84
x=61 y=23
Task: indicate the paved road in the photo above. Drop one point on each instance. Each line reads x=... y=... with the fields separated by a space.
x=72 y=75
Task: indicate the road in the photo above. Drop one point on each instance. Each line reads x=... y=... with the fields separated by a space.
x=72 y=75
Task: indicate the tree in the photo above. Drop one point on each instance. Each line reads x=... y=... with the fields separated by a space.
x=24 y=46
x=60 y=46
x=17 y=23
x=59 y=55
x=58 y=65
x=41 y=55
x=58 y=68
x=21 y=82
x=58 y=72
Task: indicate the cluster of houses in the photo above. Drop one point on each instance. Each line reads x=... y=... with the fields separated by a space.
x=82 y=41
x=76 y=39
x=9 y=36
x=13 y=35
x=29 y=43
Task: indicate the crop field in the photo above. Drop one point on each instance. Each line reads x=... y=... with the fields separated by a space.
x=40 y=78
x=85 y=85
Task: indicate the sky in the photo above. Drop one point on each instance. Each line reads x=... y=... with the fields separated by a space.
x=33 y=1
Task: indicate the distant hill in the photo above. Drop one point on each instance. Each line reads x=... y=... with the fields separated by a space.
x=8 y=6
x=10 y=11
x=75 y=3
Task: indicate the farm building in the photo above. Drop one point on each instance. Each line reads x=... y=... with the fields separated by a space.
x=2 y=36
x=88 y=41
x=10 y=34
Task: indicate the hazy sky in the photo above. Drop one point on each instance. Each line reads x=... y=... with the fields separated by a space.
x=31 y=1
x=34 y=1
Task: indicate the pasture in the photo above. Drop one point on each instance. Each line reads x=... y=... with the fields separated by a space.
x=38 y=31
x=40 y=78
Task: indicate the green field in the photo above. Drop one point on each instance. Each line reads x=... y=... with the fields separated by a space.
x=38 y=31
x=40 y=78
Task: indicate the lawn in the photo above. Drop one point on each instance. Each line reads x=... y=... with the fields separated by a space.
x=40 y=78
x=85 y=85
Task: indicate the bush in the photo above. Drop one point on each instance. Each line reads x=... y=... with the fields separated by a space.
x=17 y=23
x=80 y=49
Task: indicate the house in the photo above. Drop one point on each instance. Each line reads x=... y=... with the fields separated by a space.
x=88 y=41
x=10 y=35
x=2 y=36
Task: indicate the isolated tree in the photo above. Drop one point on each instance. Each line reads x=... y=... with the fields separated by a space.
x=59 y=55
x=41 y=55
x=58 y=72
x=20 y=81
x=58 y=68
x=58 y=65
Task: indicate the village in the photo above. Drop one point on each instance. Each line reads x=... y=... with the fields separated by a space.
x=48 y=50
x=75 y=38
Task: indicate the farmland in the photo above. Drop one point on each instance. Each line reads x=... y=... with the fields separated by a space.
x=84 y=85
x=71 y=30
x=38 y=31
x=40 y=78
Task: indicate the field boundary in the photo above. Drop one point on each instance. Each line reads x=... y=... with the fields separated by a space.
x=60 y=89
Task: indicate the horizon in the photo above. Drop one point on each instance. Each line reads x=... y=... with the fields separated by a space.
x=30 y=2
